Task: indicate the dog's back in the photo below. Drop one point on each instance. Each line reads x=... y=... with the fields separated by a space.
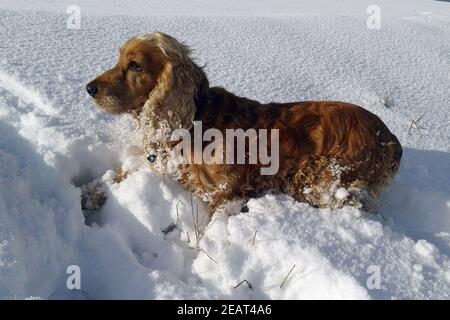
x=330 y=153
x=350 y=157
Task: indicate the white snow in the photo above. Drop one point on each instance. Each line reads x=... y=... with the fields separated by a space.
x=148 y=241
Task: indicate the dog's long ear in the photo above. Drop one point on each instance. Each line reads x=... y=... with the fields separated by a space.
x=174 y=96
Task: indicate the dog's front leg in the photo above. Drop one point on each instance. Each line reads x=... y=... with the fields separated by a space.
x=93 y=194
x=228 y=207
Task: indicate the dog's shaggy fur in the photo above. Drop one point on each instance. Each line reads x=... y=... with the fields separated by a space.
x=324 y=146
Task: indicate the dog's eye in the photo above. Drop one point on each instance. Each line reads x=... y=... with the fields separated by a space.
x=133 y=65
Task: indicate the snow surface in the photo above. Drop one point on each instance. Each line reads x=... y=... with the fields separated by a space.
x=143 y=243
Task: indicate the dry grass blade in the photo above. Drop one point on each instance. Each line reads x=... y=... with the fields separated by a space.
x=178 y=216
x=417 y=121
x=416 y=124
x=195 y=222
x=410 y=127
x=209 y=226
x=212 y=259
x=290 y=271
x=254 y=238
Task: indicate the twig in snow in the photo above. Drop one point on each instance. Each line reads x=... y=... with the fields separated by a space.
x=248 y=284
x=281 y=285
x=386 y=102
x=363 y=213
x=254 y=238
x=416 y=124
x=209 y=226
x=359 y=97
x=177 y=212
x=200 y=249
x=195 y=221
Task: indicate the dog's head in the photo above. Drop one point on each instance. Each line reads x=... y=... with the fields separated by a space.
x=145 y=63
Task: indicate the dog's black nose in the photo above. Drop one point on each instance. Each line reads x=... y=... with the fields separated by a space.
x=91 y=89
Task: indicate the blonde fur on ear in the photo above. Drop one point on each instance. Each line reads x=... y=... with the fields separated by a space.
x=171 y=104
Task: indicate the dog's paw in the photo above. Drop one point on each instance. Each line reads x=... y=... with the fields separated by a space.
x=232 y=207
x=93 y=197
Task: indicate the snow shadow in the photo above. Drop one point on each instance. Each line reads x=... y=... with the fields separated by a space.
x=43 y=232
x=40 y=215
x=419 y=198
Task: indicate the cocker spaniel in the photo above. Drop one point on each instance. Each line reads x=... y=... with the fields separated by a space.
x=329 y=153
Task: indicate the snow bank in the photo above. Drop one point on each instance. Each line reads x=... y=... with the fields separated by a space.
x=148 y=241
x=39 y=222
x=334 y=253
x=42 y=232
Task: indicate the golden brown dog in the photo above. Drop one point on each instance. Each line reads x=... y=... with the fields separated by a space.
x=330 y=153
